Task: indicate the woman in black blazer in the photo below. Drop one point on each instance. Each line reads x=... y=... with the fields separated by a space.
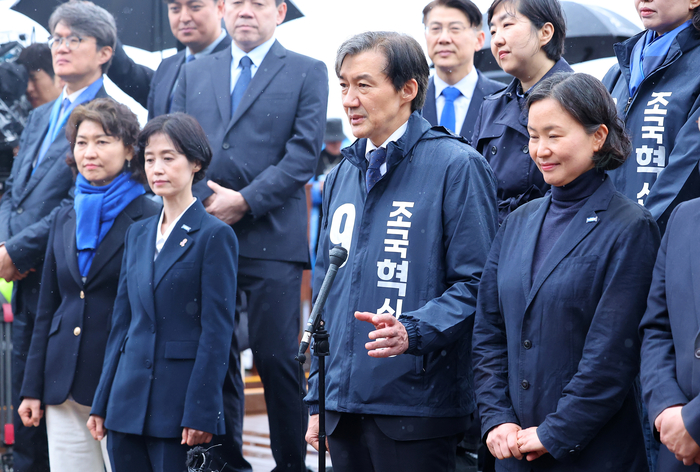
x=167 y=354
x=555 y=341
x=79 y=282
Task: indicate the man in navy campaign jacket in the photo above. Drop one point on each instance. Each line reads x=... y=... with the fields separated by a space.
x=416 y=209
x=453 y=34
x=264 y=111
x=82 y=41
x=197 y=25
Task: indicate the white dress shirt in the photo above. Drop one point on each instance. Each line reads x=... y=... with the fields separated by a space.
x=162 y=237
x=466 y=86
x=256 y=55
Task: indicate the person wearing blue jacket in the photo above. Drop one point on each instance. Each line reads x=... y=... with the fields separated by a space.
x=79 y=282
x=656 y=84
x=527 y=40
x=556 y=348
x=416 y=209
x=670 y=352
x=161 y=387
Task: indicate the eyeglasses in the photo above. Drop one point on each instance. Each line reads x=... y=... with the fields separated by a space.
x=72 y=42
x=454 y=29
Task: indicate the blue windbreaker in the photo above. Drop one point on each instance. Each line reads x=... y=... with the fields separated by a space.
x=417 y=244
x=661 y=118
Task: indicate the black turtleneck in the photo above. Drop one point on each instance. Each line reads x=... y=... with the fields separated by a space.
x=567 y=200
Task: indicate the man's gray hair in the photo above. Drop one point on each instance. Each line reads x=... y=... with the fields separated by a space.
x=405 y=59
x=87 y=19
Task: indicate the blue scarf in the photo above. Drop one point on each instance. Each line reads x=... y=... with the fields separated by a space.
x=96 y=209
x=649 y=53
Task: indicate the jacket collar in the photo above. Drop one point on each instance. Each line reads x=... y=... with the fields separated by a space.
x=396 y=151
x=684 y=42
x=585 y=221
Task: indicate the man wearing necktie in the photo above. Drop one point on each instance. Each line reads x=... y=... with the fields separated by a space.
x=453 y=34
x=415 y=207
x=83 y=37
x=197 y=25
x=263 y=108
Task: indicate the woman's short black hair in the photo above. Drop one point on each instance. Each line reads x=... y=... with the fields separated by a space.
x=116 y=121
x=185 y=133
x=540 y=12
x=587 y=100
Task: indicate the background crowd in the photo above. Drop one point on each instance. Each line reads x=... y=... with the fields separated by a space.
x=521 y=316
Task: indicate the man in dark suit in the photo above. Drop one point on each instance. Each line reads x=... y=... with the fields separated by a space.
x=197 y=25
x=453 y=34
x=264 y=111
x=82 y=41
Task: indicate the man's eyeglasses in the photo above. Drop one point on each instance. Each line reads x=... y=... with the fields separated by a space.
x=72 y=42
x=454 y=29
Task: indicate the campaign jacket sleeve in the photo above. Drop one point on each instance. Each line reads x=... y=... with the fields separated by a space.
x=658 y=372
x=134 y=79
x=273 y=186
x=470 y=220
x=49 y=301
x=204 y=391
x=121 y=319
x=27 y=248
x=611 y=351
x=490 y=348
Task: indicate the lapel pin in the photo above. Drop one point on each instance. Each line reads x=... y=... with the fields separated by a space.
x=185 y=227
x=183 y=242
x=592 y=219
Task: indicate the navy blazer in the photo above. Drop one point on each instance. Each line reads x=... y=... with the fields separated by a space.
x=501 y=136
x=268 y=149
x=31 y=200
x=151 y=89
x=484 y=87
x=561 y=351
x=172 y=329
x=671 y=329
x=74 y=318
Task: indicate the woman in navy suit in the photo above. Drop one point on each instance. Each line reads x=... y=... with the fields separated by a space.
x=79 y=282
x=167 y=354
x=556 y=348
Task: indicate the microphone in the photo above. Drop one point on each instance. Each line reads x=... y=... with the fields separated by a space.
x=338 y=255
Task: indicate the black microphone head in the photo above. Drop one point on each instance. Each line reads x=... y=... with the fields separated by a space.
x=338 y=255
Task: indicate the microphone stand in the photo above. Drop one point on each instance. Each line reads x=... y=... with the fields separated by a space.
x=321 y=350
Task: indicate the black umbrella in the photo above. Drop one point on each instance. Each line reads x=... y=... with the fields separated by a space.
x=140 y=23
x=590 y=34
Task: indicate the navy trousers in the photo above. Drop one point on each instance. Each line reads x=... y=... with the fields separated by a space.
x=357 y=444
x=134 y=453
x=30 y=452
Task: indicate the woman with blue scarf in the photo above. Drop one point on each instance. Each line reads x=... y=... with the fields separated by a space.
x=79 y=283
x=656 y=85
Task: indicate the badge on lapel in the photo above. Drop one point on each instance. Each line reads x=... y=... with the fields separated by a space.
x=592 y=219
x=183 y=242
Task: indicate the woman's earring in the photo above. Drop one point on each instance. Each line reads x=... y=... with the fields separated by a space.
x=128 y=164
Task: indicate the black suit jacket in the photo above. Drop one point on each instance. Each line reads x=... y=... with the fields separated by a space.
x=484 y=87
x=151 y=89
x=268 y=150
x=61 y=362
